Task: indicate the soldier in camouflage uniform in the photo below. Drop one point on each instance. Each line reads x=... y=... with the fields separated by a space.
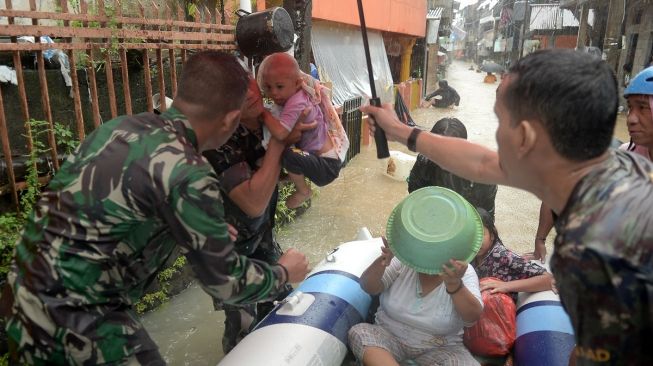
x=248 y=182
x=137 y=187
x=557 y=110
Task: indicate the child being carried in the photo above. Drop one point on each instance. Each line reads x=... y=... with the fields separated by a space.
x=320 y=153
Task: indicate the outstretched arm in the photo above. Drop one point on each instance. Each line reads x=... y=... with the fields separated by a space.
x=543 y=282
x=461 y=157
x=432 y=95
x=195 y=217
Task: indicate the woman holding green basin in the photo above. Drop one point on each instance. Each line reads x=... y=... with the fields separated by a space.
x=428 y=291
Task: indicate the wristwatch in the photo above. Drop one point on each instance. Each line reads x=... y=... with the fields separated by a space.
x=411 y=143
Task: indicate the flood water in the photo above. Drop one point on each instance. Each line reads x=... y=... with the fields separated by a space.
x=188 y=330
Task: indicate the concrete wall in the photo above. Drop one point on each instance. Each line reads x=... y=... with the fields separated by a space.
x=41 y=5
x=397 y=16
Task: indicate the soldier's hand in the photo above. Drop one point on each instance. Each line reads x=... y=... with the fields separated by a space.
x=296 y=264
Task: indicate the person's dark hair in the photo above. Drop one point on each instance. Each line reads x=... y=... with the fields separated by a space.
x=451 y=127
x=443 y=84
x=427 y=173
x=213 y=81
x=573 y=94
x=628 y=67
x=488 y=223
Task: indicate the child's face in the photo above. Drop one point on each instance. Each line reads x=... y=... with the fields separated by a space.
x=280 y=86
x=485 y=246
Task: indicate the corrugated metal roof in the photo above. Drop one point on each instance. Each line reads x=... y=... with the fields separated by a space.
x=435 y=13
x=551 y=16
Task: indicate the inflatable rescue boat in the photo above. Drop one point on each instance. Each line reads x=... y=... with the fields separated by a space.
x=309 y=327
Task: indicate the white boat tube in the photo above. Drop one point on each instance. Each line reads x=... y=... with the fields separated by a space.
x=545 y=336
x=309 y=327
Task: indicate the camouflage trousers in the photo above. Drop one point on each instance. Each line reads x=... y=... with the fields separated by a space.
x=60 y=334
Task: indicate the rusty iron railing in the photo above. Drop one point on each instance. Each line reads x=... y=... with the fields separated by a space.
x=91 y=37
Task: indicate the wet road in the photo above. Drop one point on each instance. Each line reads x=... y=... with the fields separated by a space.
x=187 y=329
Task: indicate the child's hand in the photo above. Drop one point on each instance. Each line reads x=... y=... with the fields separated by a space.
x=496 y=286
x=453 y=272
x=386 y=253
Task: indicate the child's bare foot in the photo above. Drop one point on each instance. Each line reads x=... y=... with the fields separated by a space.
x=297 y=199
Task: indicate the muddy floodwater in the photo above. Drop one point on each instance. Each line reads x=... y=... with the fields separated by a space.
x=188 y=330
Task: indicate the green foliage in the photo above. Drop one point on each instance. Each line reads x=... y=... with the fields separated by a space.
x=65 y=138
x=11 y=223
x=177 y=266
x=283 y=214
x=10 y=226
x=30 y=195
x=152 y=300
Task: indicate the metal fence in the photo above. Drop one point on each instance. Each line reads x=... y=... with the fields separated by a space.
x=352 y=118
x=97 y=39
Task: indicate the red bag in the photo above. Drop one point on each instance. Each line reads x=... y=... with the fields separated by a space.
x=494 y=333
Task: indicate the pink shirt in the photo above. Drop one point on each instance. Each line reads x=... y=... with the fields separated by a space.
x=312 y=140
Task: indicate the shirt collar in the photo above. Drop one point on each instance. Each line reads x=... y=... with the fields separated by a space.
x=174 y=114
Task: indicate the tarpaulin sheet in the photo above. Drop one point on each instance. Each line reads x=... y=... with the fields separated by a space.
x=340 y=59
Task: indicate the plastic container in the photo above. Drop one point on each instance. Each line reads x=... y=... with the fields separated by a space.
x=398 y=165
x=431 y=226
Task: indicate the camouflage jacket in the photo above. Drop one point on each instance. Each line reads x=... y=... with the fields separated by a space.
x=603 y=262
x=109 y=219
x=236 y=162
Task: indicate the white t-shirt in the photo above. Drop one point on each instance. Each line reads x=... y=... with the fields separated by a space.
x=425 y=321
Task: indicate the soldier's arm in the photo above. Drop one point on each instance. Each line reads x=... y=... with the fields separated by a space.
x=253 y=195
x=433 y=94
x=276 y=127
x=196 y=220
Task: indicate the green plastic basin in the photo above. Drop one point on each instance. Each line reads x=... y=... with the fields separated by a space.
x=431 y=226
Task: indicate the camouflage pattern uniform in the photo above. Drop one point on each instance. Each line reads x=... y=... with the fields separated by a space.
x=603 y=262
x=235 y=162
x=135 y=189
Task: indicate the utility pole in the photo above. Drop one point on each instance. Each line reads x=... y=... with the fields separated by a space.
x=581 y=40
x=612 y=39
x=525 y=24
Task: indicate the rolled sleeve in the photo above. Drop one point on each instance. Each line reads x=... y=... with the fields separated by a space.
x=233 y=176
